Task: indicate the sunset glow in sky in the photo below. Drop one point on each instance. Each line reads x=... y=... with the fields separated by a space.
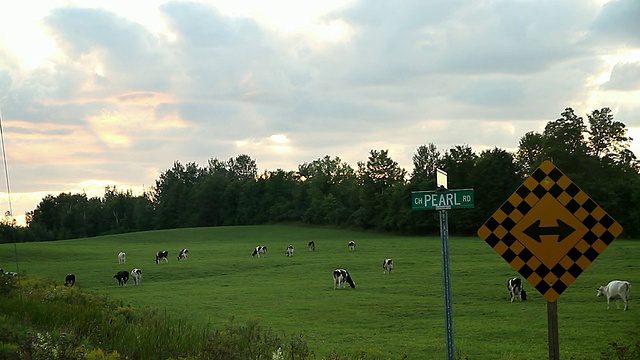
x=96 y=92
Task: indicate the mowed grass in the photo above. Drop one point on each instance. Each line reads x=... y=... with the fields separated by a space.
x=388 y=316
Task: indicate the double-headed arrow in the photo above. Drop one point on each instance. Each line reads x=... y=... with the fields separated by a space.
x=563 y=230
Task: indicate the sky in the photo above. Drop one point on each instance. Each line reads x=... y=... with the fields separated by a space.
x=97 y=93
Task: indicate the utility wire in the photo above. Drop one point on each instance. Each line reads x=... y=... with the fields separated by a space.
x=6 y=176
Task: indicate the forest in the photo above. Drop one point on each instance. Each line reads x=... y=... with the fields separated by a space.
x=375 y=195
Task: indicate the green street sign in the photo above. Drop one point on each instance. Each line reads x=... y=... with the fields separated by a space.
x=442 y=200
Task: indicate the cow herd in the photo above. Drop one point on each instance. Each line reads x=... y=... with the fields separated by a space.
x=614 y=290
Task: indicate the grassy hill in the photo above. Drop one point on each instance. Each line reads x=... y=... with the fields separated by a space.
x=388 y=316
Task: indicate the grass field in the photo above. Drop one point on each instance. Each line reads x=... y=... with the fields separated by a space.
x=386 y=315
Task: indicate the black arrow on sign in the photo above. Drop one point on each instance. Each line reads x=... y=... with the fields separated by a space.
x=562 y=230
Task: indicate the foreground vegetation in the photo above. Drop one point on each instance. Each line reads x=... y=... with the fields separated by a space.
x=290 y=302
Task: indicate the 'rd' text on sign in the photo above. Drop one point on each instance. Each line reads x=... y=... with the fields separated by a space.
x=442 y=200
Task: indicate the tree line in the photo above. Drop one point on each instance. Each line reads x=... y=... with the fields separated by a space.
x=375 y=195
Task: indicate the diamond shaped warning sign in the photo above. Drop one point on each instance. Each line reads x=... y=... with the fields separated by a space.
x=549 y=231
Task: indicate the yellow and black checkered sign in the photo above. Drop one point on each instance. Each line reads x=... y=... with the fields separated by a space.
x=549 y=231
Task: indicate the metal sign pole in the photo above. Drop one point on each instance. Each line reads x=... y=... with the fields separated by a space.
x=446 y=283
x=552 y=323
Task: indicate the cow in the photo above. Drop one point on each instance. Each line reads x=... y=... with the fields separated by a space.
x=352 y=245
x=122 y=257
x=342 y=276
x=184 y=254
x=122 y=276
x=616 y=290
x=259 y=250
x=11 y=273
x=516 y=291
x=290 y=250
x=312 y=245
x=387 y=266
x=162 y=255
x=136 y=274
x=70 y=280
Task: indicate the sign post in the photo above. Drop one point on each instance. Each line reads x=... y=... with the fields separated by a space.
x=549 y=231
x=442 y=200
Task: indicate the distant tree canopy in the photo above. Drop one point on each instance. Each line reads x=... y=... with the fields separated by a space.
x=374 y=196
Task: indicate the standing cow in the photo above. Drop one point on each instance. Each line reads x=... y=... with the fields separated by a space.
x=70 y=280
x=162 y=256
x=259 y=250
x=312 y=245
x=184 y=254
x=136 y=275
x=122 y=276
x=616 y=290
x=351 y=245
x=122 y=257
x=387 y=266
x=290 y=250
x=341 y=277
x=516 y=290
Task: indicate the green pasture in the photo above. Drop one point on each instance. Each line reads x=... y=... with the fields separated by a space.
x=387 y=316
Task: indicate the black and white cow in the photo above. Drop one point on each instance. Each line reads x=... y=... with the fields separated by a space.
x=340 y=277
x=290 y=250
x=122 y=276
x=352 y=245
x=312 y=245
x=516 y=290
x=184 y=254
x=162 y=256
x=122 y=258
x=616 y=290
x=387 y=266
x=136 y=275
x=70 y=280
x=259 y=250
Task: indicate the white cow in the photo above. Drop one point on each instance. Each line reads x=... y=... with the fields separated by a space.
x=136 y=275
x=184 y=254
x=616 y=290
x=351 y=245
x=122 y=257
x=516 y=289
x=290 y=250
x=387 y=266
x=259 y=250
x=342 y=277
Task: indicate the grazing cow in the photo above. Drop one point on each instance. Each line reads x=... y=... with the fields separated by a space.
x=312 y=245
x=162 y=255
x=70 y=280
x=136 y=274
x=122 y=276
x=516 y=291
x=122 y=257
x=184 y=254
x=352 y=245
x=259 y=250
x=387 y=266
x=11 y=273
x=290 y=250
x=616 y=290
x=342 y=276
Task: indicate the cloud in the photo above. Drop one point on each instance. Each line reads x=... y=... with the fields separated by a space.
x=617 y=24
x=624 y=77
